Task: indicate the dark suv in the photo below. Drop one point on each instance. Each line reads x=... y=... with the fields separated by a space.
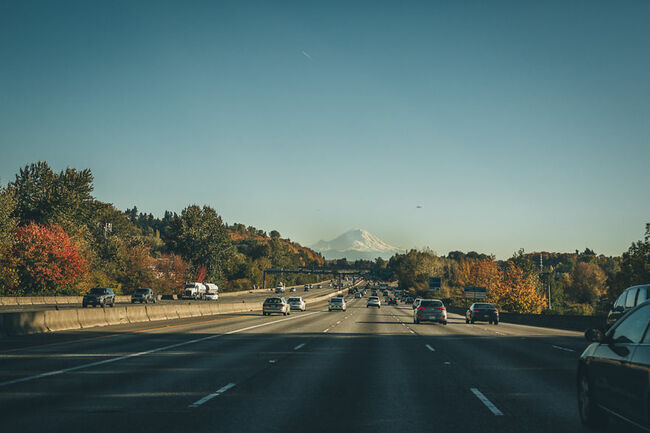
x=614 y=372
x=101 y=296
x=630 y=298
x=143 y=296
x=482 y=311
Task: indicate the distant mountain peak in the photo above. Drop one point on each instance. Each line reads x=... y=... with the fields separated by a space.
x=355 y=244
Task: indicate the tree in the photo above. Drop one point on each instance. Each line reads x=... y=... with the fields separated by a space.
x=201 y=238
x=635 y=266
x=274 y=234
x=46 y=197
x=588 y=283
x=48 y=262
x=517 y=290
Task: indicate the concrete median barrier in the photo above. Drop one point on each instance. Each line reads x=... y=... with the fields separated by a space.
x=24 y=322
x=116 y=316
x=184 y=311
x=61 y=320
x=26 y=300
x=136 y=314
x=91 y=317
x=9 y=301
x=156 y=312
x=205 y=308
x=171 y=312
x=195 y=310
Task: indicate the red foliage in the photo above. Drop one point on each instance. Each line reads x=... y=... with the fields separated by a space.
x=201 y=272
x=47 y=258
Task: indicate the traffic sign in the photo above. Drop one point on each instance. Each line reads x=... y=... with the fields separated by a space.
x=435 y=283
x=475 y=292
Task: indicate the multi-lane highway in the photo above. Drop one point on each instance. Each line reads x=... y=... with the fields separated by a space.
x=364 y=370
x=224 y=298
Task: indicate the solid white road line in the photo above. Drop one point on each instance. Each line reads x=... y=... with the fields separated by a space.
x=563 y=348
x=146 y=352
x=430 y=348
x=326 y=330
x=300 y=346
x=213 y=395
x=486 y=402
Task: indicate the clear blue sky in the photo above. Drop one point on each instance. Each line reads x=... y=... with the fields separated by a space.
x=513 y=124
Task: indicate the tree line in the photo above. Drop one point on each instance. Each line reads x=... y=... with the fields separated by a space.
x=56 y=238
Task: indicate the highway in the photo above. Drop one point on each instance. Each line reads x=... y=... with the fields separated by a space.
x=224 y=298
x=363 y=370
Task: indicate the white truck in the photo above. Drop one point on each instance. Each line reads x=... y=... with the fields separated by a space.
x=193 y=291
x=211 y=292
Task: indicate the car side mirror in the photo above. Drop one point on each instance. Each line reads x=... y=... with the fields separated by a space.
x=594 y=335
x=619 y=309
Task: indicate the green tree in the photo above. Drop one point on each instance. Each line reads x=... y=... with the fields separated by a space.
x=635 y=266
x=201 y=238
x=46 y=197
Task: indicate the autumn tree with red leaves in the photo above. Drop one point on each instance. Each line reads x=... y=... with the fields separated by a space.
x=48 y=261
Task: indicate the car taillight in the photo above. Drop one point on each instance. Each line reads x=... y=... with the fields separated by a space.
x=421 y=308
x=495 y=311
x=442 y=308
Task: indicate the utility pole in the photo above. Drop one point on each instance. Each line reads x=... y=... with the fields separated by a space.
x=541 y=272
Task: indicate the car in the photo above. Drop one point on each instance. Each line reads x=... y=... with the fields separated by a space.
x=307 y=287
x=415 y=303
x=279 y=289
x=293 y=289
x=297 y=303
x=320 y=286
x=211 y=296
x=357 y=295
x=432 y=310
x=630 y=298
x=143 y=296
x=482 y=311
x=613 y=374
x=392 y=301
x=275 y=305
x=101 y=296
x=337 y=303
x=373 y=301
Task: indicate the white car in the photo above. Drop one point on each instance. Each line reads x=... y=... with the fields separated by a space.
x=297 y=303
x=373 y=301
x=275 y=305
x=211 y=296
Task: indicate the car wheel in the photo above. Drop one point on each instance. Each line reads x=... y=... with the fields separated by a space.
x=489 y=322
x=467 y=321
x=444 y=322
x=590 y=414
x=496 y=322
x=113 y=303
x=83 y=305
x=471 y=321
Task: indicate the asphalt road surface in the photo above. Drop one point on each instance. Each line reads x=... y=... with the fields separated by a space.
x=363 y=370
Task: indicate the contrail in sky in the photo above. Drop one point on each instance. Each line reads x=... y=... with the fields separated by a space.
x=306 y=55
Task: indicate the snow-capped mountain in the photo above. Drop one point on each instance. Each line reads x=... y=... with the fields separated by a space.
x=354 y=245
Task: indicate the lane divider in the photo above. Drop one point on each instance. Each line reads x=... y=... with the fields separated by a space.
x=211 y=396
x=300 y=346
x=486 y=402
x=430 y=348
x=146 y=352
x=566 y=349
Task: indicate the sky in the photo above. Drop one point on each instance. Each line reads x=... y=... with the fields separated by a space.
x=511 y=124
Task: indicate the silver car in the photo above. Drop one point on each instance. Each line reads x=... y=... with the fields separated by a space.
x=373 y=301
x=297 y=303
x=432 y=310
x=275 y=305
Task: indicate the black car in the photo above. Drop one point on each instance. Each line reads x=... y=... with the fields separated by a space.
x=143 y=296
x=614 y=372
x=630 y=298
x=101 y=296
x=392 y=301
x=482 y=311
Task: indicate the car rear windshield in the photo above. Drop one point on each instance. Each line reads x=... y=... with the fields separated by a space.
x=294 y=299
x=98 y=291
x=430 y=304
x=336 y=301
x=373 y=298
x=273 y=301
x=484 y=307
x=140 y=291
